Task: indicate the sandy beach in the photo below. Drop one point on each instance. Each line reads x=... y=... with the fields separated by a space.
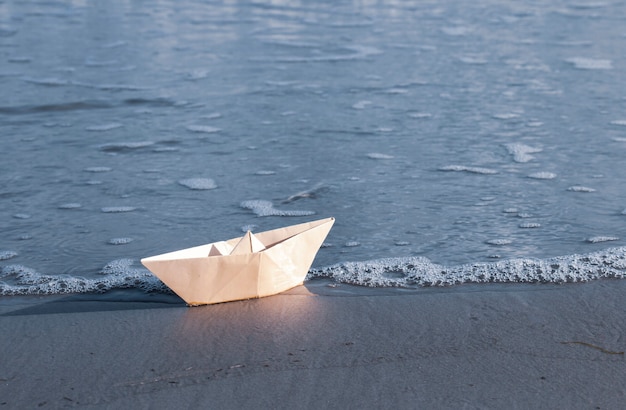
x=517 y=346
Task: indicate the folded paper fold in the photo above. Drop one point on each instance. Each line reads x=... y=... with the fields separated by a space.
x=251 y=266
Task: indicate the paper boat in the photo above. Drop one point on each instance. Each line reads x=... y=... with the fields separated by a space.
x=251 y=266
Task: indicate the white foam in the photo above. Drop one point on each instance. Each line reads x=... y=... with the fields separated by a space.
x=411 y=272
x=200 y=184
x=265 y=172
x=542 y=175
x=578 y=188
x=197 y=74
x=70 y=205
x=117 y=209
x=361 y=105
x=120 y=241
x=619 y=122
x=598 y=239
x=351 y=244
x=530 y=225
x=499 y=242
x=5 y=255
x=206 y=129
x=521 y=152
x=420 y=115
x=376 y=155
x=473 y=170
x=266 y=208
x=585 y=63
x=505 y=116
x=119 y=274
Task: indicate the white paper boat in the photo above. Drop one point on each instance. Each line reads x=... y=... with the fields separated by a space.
x=251 y=266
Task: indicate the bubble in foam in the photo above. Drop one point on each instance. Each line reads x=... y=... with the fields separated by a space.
x=521 y=152
x=584 y=63
x=198 y=184
x=266 y=208
x=6 y=255
x=473 y=170
x=579 y=188
x=542 y=175
x=104 y=127
x=376 y=155
x=598 y=239
x=117 y=209
x=206 y=129
x=120 y=241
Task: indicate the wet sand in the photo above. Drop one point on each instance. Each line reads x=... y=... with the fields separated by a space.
x=500 y=346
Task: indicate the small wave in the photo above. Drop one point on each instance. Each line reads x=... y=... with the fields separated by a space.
x=598 y=239
x=412 y=272
x=120 y=241
x=530 y=225
x=118 y=274
x=521 y=152
x=499 y=242
x=619 y=122
x=198 y=184
x=585 y=63
x=266 y=208
x=104 y=127
x=361 y=105
x=377 y=155
x=542 y=175
x=70 y=205
x=6 y=255
x=98 y=169
x=578 y=188
x=125 y=146
x=117 y=209
x=206 y=129
x=473 y=170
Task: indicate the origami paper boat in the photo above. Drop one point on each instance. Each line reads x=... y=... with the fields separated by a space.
x=251 y=266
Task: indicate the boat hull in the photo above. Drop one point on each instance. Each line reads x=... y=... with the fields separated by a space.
x=200 y=279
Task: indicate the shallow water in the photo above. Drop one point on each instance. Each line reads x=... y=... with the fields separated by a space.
x=446 y=134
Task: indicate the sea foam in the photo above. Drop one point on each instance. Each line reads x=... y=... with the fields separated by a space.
x=266 y=208
x=412 y=272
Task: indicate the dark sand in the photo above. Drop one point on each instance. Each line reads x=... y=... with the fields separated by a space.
x=487 y=346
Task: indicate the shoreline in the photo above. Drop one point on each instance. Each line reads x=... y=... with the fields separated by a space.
x=478 y=346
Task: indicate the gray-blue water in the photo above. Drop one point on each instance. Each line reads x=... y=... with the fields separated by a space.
x=453 y=141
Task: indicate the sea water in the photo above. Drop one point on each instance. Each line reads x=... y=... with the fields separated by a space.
x=453 y=141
